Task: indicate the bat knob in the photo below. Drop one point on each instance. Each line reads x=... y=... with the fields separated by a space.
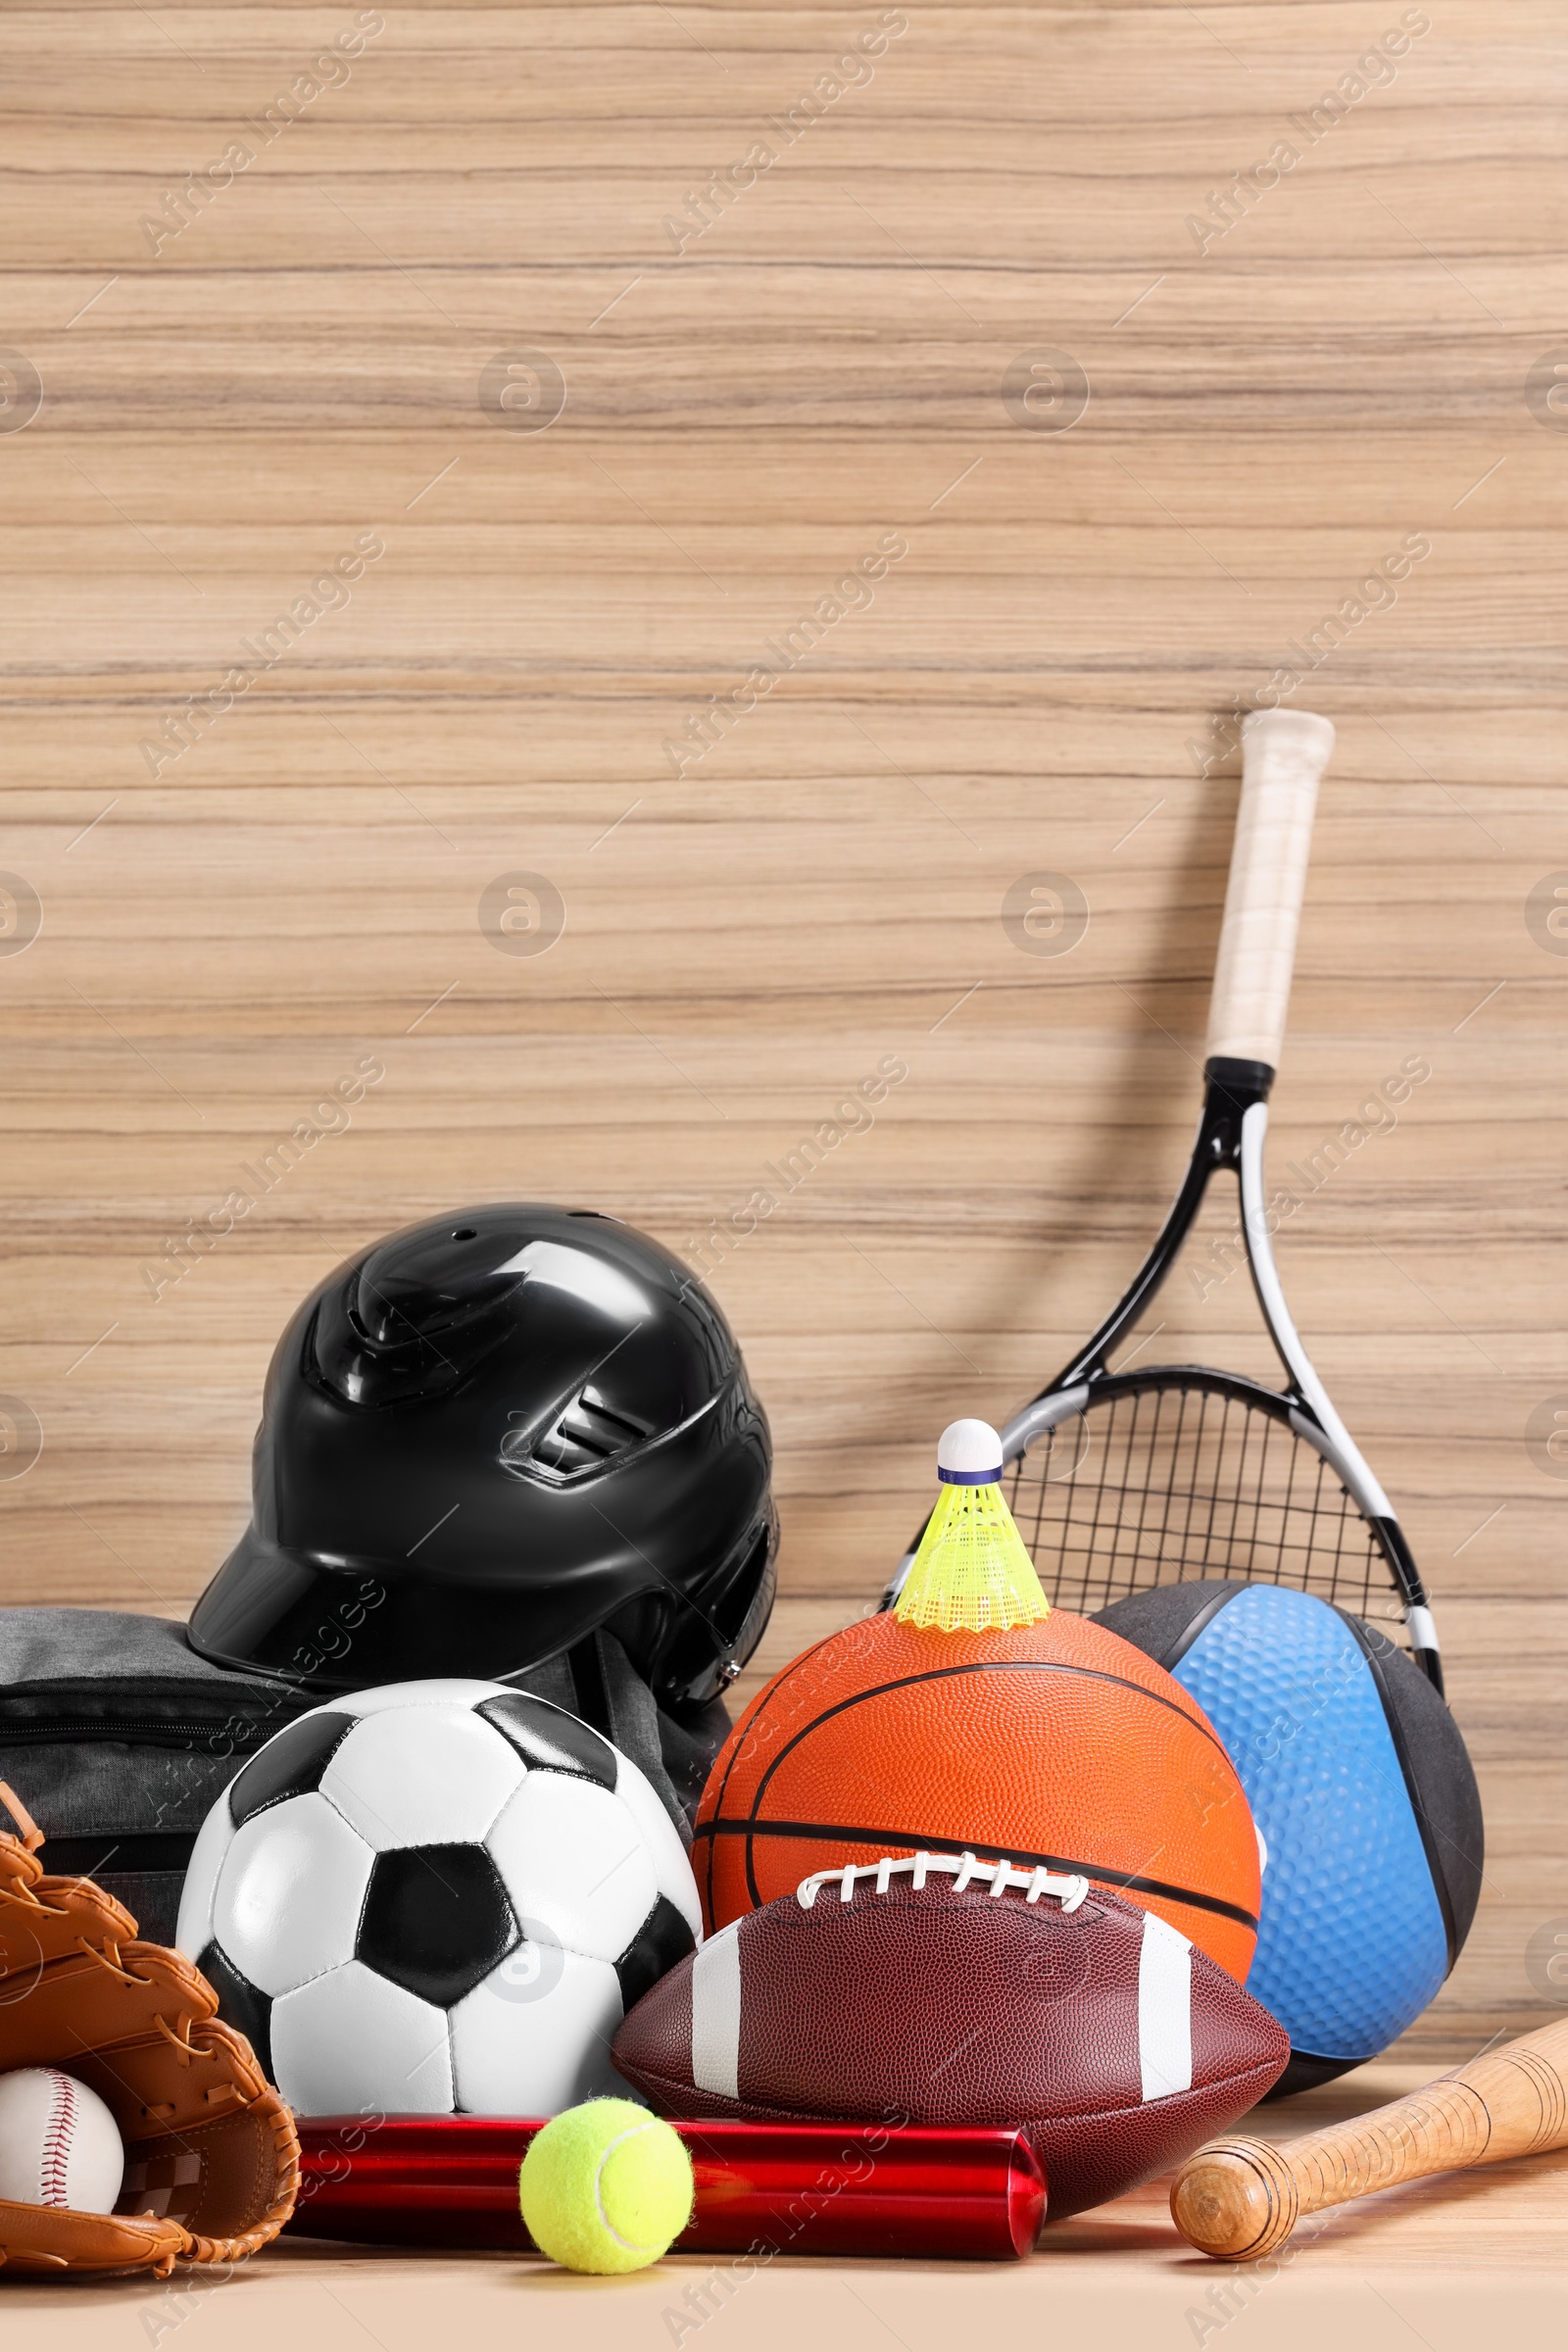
x=1235 y=2199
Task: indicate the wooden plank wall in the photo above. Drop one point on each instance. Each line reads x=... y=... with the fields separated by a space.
x=989 y=304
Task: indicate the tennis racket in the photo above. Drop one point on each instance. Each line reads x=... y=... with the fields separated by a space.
x=1120 y=1480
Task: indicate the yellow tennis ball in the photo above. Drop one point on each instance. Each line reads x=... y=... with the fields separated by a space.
x=604 y=2186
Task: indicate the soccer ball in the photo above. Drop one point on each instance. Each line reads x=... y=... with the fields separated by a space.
x=437 y=1897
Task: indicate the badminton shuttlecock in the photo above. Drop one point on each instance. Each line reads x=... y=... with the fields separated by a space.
x=970 y=1572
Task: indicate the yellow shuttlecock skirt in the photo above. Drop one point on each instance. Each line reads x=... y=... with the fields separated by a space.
x=971 y=1573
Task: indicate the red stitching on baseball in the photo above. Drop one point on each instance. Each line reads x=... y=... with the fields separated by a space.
x=58 y=2134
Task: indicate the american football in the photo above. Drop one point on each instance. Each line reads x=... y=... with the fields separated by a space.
x=436 y=1897
x=940 y=1990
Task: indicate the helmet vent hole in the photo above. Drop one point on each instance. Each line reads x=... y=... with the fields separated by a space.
x=586 y=1435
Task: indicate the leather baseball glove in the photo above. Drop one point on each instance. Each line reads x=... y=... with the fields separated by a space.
x=211 y=2156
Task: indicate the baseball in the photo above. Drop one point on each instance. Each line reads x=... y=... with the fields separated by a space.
x=58 y=2142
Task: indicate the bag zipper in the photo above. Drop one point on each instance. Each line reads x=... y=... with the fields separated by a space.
x=165 y=1733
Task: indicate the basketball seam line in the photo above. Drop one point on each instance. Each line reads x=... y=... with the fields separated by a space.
x=847 y=1833
x=935 y=1673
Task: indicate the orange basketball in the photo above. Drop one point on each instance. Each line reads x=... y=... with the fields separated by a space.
x=1056 y=1743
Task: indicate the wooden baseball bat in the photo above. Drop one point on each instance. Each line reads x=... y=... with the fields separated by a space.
x=1239 y=2199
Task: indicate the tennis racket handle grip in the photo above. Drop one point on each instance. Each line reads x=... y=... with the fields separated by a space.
x=1284 y=753
x=1240 y=2199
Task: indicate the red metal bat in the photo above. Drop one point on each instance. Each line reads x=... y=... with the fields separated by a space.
x=762 y=2188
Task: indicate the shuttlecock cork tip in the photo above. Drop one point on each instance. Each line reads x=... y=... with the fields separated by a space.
x=969 y=1454
x=970 y=1572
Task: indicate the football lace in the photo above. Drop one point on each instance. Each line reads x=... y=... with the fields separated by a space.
x=963 y=1869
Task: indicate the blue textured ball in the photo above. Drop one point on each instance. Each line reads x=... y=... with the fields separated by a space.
x=1362 y=1793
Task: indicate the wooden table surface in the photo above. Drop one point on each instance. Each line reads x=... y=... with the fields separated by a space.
x=978 y=294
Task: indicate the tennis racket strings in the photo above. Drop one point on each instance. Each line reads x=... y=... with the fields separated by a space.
x=1174 y=1483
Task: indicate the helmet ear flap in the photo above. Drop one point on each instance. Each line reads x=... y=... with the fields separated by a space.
x=755 y=1623
x=703 y=1638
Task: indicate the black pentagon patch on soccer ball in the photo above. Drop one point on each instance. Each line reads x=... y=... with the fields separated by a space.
x=290 y=1765
x=240 y=2004
x=663 y=1938
x=549 y=1740
x=436 y=1920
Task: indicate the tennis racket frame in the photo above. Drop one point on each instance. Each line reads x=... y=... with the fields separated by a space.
x=1231 y=1134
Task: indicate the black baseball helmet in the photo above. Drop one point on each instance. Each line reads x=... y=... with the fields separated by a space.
x=489 y=1437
